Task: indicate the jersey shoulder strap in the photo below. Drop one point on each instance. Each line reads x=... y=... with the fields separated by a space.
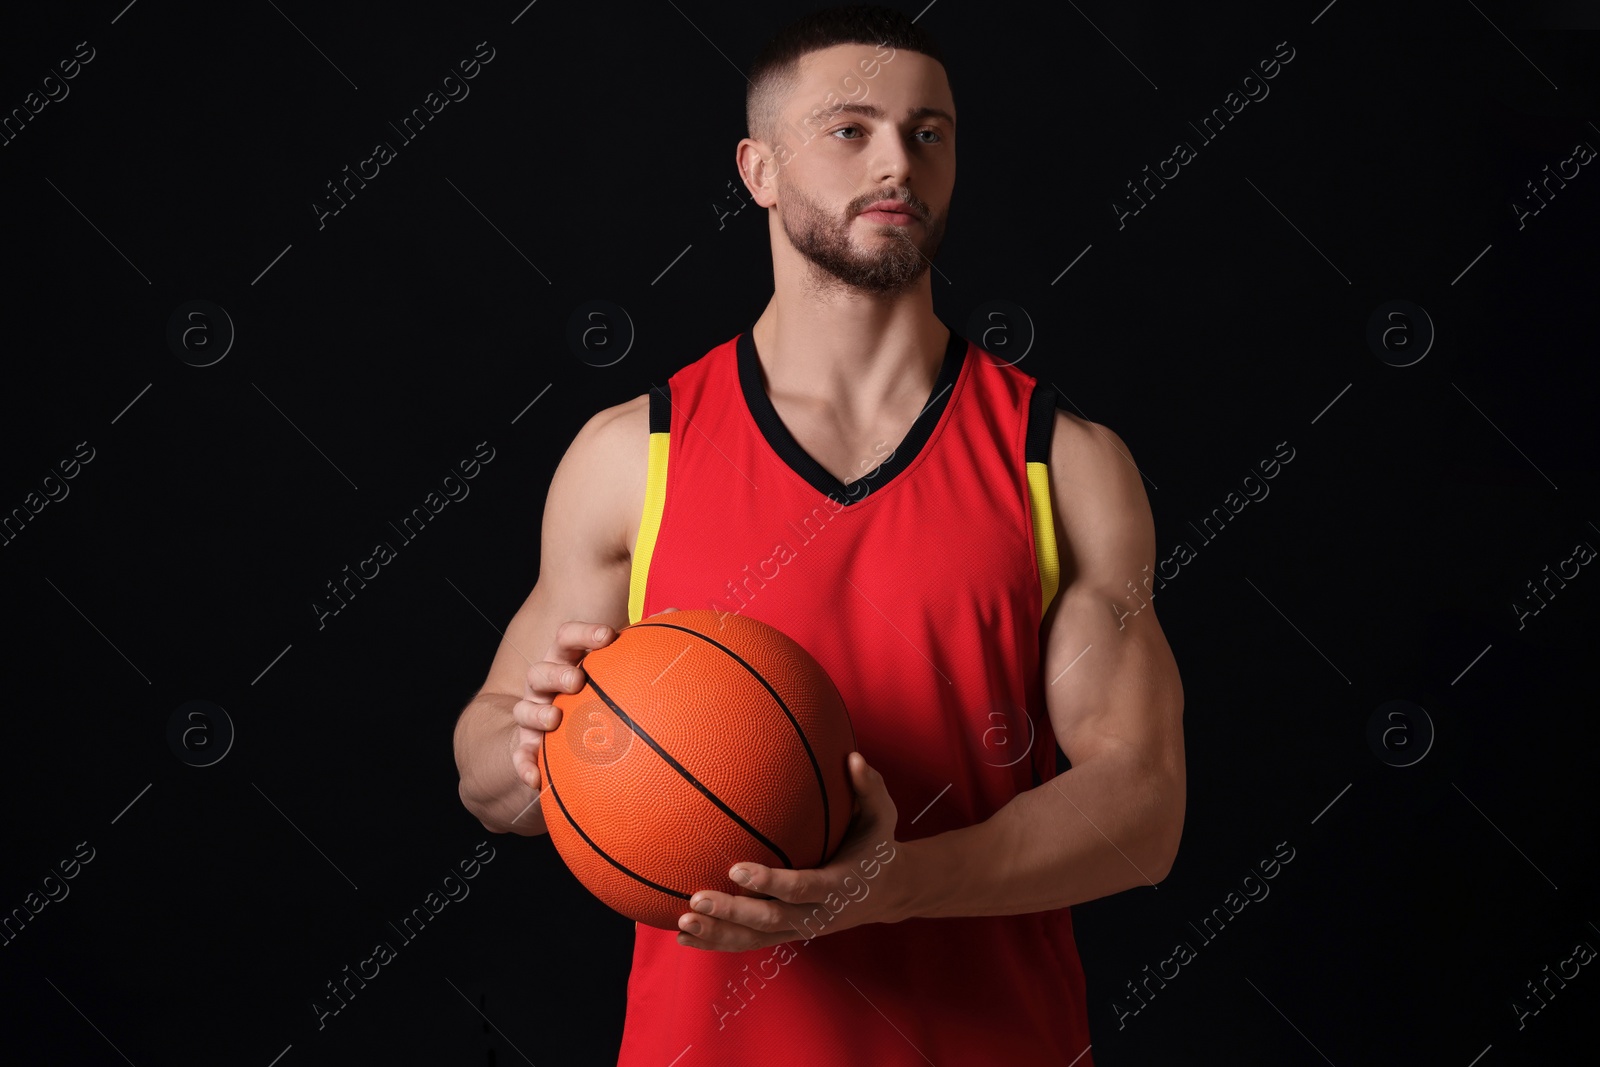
x=1036 y=453
x=655 y=497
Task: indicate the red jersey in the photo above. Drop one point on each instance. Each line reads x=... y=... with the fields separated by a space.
x=919 y=586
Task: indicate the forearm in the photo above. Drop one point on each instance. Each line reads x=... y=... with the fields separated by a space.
x=490 y=788
x=1107 y=825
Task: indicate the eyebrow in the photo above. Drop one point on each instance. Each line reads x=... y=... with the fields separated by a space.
x=875 y=112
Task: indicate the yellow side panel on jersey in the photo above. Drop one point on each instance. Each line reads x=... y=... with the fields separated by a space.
x=1044 y=531
x=655 y=497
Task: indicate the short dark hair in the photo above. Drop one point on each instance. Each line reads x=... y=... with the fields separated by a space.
x=774 y=73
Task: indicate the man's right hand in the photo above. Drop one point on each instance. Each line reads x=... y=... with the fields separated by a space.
x=535 y=714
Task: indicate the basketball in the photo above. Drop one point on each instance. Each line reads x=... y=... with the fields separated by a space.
x=700 y=739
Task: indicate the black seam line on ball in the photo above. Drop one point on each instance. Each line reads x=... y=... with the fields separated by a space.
x=684 y=771
x=804 y=741
x=550 y=781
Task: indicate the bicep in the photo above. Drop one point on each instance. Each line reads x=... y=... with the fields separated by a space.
x=583 y=556
x=1109 y=675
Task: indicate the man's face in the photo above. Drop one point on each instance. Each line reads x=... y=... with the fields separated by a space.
x=866 y=124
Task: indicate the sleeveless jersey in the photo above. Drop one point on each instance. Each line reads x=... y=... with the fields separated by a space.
x=920 y=586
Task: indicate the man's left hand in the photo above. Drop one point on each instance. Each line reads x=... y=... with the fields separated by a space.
x=861 y=884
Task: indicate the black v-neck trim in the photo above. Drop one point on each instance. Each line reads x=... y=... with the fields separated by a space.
x=801 y=462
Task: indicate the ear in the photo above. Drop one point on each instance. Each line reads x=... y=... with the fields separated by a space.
x=758 y=165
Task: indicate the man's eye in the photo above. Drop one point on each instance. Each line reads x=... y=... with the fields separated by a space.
x=847 y=129
x=932 y=133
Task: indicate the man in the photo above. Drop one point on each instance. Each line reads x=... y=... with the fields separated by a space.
x=962 y=558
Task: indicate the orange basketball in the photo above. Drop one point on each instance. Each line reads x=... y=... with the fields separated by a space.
x=700 y=739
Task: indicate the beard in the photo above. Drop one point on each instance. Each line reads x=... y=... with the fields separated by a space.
x=824 y=239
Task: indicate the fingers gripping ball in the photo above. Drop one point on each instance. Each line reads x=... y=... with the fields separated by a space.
x=701 y=739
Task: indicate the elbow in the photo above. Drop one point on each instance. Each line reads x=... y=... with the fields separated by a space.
x=478 y=808
x=1161 y=860
x=1167 y=798
x=1159 y=857
x=1166 y=827
x=468 y=801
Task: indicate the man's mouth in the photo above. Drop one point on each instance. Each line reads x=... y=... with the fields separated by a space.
x=892 y=212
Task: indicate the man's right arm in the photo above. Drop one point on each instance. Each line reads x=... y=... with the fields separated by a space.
x=584 y=567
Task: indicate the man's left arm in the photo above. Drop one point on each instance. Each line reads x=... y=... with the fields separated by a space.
x=1109 y=823
x=1115 y=700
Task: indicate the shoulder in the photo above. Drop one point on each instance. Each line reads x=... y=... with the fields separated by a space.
x=613 y=440
x=616 y=440
x=1103 y=521
x=609 y=429
x=602 y=475
x=1086 y=449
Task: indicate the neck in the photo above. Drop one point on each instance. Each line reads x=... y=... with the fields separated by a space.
x=856 y=354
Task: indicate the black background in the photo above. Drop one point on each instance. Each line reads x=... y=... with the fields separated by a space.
x=374 y=353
